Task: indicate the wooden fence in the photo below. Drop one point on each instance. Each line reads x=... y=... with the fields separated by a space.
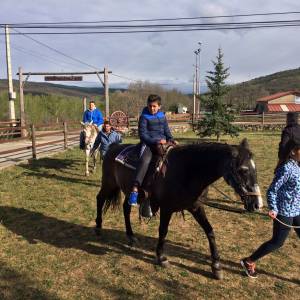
x=60 y=134
x=267 y=121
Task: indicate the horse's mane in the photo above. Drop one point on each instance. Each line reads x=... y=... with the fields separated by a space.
x=206 y=147
x=212 y=150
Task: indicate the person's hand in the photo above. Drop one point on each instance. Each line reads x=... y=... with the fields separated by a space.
x=162 y=142
x=272 y=214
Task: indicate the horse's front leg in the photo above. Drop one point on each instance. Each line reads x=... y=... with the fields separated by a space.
x=165 y=217
x=201 y=218
x=95 y=161
x=87 y=157
x=126 y=210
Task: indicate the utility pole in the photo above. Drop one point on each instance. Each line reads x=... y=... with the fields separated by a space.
x=24 y=132
x=11 y=94
x=197 y=80
x=84 y=104
x=199 y=102
x=106 y=95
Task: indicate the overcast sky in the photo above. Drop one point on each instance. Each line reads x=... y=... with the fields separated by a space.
x=157 y=57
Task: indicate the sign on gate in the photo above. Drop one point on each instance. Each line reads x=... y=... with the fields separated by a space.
x=63 y=78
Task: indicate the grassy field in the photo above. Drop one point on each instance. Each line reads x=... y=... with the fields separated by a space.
x=48 y=249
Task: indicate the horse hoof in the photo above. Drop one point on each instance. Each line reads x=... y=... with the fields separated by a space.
x=163 y=262
x=218 y=274
x=87 y=174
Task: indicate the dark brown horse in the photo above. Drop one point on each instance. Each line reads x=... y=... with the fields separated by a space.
x=190 y=170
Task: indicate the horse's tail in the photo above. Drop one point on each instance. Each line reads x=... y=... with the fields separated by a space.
x=113 y=200
x=110 y=189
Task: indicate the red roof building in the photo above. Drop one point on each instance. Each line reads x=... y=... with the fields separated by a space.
x=279 y=102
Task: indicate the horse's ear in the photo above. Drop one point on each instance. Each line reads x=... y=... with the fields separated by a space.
x=234 y=152
x=82 y=123
x=244 y=144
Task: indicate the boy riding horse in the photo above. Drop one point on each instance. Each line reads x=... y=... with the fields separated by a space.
x=153 y=132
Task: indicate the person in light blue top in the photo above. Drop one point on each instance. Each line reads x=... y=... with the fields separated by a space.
x=105 y=138
x=93 y=114
x=283 y=197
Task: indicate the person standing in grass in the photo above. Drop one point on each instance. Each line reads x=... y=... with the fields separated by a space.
x=290 y=132
x=283 y=198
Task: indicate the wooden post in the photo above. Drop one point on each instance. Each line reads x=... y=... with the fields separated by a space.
x=84 y=103
x=33 y=140
x=106 y=95
x=65 y=136
x=263 y=118
x=24 y=132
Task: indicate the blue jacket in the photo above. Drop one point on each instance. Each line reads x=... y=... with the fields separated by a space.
x=283 y=195
x=93 y=115
x=153 y=128
x=104 y=140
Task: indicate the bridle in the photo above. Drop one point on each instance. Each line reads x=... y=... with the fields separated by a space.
x=231 y=176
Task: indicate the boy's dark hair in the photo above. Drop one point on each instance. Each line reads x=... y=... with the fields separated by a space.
x=106 y=122
x=292 y=118
x=154 y=98
x=92 y=101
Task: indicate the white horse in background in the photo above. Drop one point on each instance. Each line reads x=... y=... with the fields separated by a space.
x=90 y=132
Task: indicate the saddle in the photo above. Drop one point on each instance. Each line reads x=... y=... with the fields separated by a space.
x=130 y=156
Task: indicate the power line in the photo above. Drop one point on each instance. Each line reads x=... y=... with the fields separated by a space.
x=233 y=24
x=40 y=56
x=159 y=30
x=55 y=50
x=157 y=19
x=124 y=77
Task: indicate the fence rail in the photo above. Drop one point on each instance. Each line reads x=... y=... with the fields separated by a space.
x=59 y=134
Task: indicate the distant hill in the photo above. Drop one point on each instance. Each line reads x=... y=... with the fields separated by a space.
x=45 y=88
x=245 y=94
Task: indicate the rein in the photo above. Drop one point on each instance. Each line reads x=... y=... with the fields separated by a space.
x=253 y=194
x=287 y=225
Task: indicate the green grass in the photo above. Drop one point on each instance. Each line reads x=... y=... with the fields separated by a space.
x=48 y=249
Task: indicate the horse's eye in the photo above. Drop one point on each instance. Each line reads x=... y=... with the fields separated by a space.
x=244 y=170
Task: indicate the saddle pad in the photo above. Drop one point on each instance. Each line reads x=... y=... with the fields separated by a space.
x=129 y=157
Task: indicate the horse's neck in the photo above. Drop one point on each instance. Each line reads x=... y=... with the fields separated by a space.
x=93 y=135
x=202 y=166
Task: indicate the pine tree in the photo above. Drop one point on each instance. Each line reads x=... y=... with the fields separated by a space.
x=219 y=116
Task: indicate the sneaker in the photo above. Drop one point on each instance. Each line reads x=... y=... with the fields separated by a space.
x=249 y=268
x=133 y=198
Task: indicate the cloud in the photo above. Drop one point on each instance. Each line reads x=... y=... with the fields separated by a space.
x=152 y=56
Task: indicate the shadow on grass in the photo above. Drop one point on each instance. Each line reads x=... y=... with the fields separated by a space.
x=17 y=286
x=40 y=167
x=35 y=227
x=50 y=163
